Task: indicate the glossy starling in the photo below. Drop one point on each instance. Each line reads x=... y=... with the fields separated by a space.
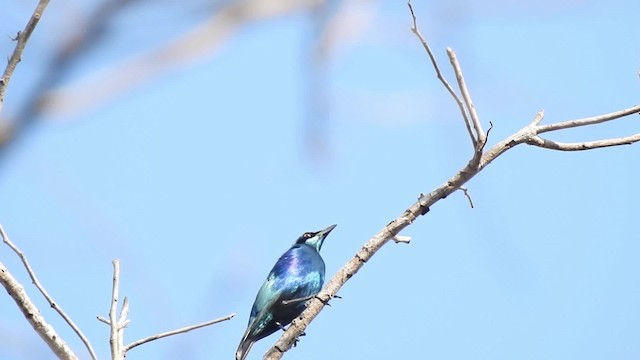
x=295 y=278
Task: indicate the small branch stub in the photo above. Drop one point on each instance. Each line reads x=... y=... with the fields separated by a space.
x=401 y=239
x=466 y=193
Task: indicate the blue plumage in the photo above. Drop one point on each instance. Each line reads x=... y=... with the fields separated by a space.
x=297 y=275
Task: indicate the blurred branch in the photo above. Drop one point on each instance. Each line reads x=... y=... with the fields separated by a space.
x=31 y=312
x=103 y=86
x=480 y=159
x=193 y=45
x=21 y=38
x=80 y=40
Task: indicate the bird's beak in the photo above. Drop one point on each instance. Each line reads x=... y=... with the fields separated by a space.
x=323 y=233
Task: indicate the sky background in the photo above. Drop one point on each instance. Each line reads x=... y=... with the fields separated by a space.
x=199 y=180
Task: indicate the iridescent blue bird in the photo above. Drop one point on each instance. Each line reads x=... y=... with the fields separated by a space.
x=296 y=277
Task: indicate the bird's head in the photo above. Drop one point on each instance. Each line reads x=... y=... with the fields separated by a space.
x=315 y=239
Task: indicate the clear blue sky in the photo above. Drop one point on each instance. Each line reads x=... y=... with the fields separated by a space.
x=198 y=181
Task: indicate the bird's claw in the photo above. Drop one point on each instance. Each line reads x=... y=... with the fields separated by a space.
x=297 y=339
x=326 y=302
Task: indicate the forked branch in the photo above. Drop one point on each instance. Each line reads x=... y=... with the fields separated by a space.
x=119 y=322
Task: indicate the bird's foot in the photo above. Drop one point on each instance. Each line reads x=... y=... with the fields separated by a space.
x=296 y=300
x=296 y=340
x=326 y=301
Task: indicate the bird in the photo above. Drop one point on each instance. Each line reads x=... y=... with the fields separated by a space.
x=297 y=276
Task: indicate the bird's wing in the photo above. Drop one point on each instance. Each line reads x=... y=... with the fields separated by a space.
x=264 y=303
x=267 y=296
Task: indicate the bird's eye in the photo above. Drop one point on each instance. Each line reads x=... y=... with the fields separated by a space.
x=307 y=235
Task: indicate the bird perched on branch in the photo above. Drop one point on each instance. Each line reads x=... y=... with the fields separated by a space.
x=297 y=276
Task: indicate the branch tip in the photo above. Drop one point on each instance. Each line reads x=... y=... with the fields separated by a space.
x=401 y=239
x=538 y=118
x=466 y=192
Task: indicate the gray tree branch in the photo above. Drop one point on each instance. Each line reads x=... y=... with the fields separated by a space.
x=54 y=305
x=31 y=312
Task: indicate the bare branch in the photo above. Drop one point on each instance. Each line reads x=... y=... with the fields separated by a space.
x=46 y=295
x=22 y=39
x=31 y=312
x=177 y=331
x=434 y=63
x=462 y=85
x=466 y=193
x=538 y=118
x=122 y=321
x=587 y=145
x=590 y=120
x=118 y=323
x=116 y=339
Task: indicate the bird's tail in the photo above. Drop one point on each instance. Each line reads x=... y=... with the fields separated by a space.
x=243 y=348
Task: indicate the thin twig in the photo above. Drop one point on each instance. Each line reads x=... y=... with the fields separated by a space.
x=434 y=63
x=46 y=295
x=22 y=39
x=586 y=145
x=31 y=312
x=462 y=85
x=122 y=321
x=177 y=331
x=116 y=338
x=466 y=193
x=590 y=120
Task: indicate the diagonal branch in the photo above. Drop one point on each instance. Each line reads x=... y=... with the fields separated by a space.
x=31 y=312
x=46 y=295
